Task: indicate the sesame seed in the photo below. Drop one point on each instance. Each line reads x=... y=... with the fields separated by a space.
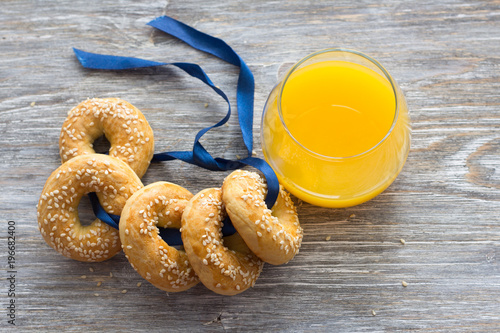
x=124 y=291
x=404 y=284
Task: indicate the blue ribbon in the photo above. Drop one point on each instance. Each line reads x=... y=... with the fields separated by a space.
x=199 y=155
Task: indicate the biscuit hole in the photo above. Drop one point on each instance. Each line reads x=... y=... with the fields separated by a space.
x=172 y=237
x=101 y=145
x=85 y=212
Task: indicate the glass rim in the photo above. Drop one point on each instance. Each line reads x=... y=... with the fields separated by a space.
x=331 y=50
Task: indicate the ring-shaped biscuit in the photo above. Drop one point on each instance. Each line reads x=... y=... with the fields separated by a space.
x=224 y=265
x=273 y=235
x=160 y=204
x=125 y=127
x=57 y=210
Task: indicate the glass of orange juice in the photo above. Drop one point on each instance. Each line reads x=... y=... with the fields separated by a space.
x=336 y=129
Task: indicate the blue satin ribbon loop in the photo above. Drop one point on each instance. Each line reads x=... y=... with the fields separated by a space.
x=199 y=155
x=220 y=49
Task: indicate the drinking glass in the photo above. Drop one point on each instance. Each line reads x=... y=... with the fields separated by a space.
x=336 y=128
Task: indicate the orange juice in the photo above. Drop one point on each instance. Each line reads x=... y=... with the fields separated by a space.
x=336 y=129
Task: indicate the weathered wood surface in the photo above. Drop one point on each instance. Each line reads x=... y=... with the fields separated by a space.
x=445 y=204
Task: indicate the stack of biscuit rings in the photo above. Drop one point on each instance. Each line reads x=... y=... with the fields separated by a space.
x=226 y=265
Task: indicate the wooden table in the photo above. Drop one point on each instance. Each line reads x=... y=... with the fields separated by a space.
x=349 y=274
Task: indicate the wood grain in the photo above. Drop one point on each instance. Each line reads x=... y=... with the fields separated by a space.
x=445 y=204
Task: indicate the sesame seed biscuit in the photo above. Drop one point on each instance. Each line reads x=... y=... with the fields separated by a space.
x=274 y=235
x=224 y=265
x=125 y=127
x=160 y=204
x=112 y=180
